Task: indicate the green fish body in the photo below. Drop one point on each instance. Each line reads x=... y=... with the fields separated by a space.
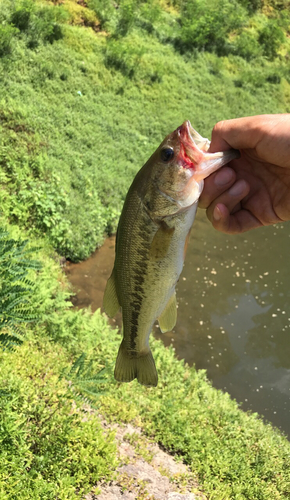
x=151 y=242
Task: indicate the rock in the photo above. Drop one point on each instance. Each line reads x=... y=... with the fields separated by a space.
x=158 y=477
x=181 y=496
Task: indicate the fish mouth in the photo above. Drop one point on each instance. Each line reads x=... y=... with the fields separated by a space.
x=194 y=154
x=192 y=137
x=192 y=146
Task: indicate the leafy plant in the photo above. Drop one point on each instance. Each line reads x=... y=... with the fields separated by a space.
x=271 y=37
x=85 y=384
x=247 y=45
x=7 y=32
x=126 y=16
x=206 y=24
x=136 y=13
x=123 y=57
x=22 y=14
x=251 y=5
x=120 y=17
x=38 y=23
x=105 y=11
x=16 y=289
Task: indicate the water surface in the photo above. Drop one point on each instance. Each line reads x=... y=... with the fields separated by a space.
x=233 y=312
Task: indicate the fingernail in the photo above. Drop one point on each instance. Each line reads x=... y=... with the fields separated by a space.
x=237 y=188
x=223 y=177
x=217 y=214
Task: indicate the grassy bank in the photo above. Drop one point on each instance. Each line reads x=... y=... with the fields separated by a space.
x=51 y=443
x=88 y=92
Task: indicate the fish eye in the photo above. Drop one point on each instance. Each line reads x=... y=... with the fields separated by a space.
x=166 y=154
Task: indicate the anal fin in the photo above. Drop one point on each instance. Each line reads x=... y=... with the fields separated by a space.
x=110 y=302
x=167 y=320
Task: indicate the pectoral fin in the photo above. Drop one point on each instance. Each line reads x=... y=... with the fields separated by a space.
x=110 y=303
x=161 y=241
x=167 y=320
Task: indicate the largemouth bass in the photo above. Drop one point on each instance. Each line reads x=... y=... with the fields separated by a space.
x=151 y=242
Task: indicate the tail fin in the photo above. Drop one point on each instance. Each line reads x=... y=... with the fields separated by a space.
x=143 y=368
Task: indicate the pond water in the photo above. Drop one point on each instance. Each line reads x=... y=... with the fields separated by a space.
x=233 y=312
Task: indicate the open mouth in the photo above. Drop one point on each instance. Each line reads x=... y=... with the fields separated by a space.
x=194 y=154
x=189 y=154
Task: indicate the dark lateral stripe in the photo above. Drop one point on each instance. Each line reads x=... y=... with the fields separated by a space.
x=137 y=298
x=137 y=307
x=138 y=278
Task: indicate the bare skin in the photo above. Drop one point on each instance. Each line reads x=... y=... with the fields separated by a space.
x=253 y=190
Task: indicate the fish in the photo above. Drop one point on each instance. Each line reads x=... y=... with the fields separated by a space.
x=151 y=242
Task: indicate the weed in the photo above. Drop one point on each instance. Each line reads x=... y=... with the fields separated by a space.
x=140 y=445
x=16 y=290
x=271 y=38
x=49 y=447
x=137 y=487
x=37 y=23
x=84 y=383
x=7 y=34
x=205 y=25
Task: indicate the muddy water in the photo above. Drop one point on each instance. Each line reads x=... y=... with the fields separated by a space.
x=233 y=313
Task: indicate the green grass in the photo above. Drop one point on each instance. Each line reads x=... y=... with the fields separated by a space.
x=50 y=448
x=79 y=116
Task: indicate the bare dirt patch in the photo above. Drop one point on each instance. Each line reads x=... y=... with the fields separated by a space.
x=146 y=472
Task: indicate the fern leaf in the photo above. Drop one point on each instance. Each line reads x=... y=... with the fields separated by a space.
x=86 y=385
x=9 y=342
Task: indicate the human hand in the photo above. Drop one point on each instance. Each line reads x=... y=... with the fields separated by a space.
x=253 y=190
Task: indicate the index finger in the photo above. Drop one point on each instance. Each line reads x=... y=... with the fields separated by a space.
x=238 y=133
